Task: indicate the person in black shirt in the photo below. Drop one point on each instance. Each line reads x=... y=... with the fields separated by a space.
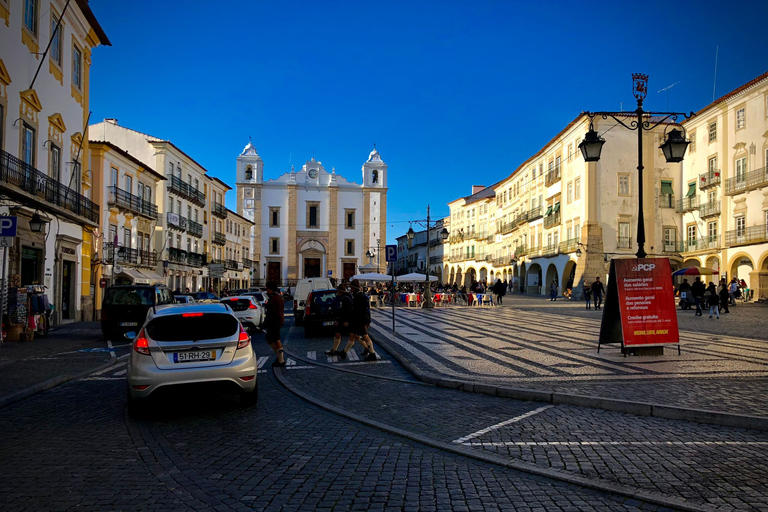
x=359 y=322
x=344 y=310
x=597 y=293
x=697 y=290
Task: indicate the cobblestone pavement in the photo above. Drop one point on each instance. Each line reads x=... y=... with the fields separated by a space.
x=74 y=447
x=526 y=343
x=725 y=468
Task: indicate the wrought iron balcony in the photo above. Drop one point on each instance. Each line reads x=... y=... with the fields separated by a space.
x=176 y=221
x=129 y=202
x=178 y=186
x=196 y=197
x=31 y=187
x=177 y=255
x=507 y=227
x=707 y=243
x=709 y=179
x=194 y=228
x=233 y=265
x=219 y=238
x=521 y=250
x=750 y=181
x=667 y=201
x=195 y=260
x=534 y=251
x=456 y=259
x=550 y=250
x=569 y=245
x=624 y=242
x=219 y=210
x=552 y=220
x=746 y=236
x=247 y=263
x=709 y=209
x=552 y=176
x=673 y=247
x=535 y=213
x=129 y=255
x=687 y=204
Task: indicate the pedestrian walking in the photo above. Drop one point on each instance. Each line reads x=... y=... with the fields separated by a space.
x=586 y=290
x=361 y=319
x=733 y=290
x=597 y=292
x=273 y=321
x=343 y=308
x=713 y=300
x=498 y=290
x=553 y=290
x=724 y=296
x=697 y=290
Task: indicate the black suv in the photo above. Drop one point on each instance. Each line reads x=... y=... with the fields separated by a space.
x=125 y=307
x=321 y=312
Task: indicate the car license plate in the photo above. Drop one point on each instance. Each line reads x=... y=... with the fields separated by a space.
x=195 y=355
x=329 y=323
x=129 y=324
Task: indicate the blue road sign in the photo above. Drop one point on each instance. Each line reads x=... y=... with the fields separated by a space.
x=391 y=252
x=8 y=226
x=330 y=273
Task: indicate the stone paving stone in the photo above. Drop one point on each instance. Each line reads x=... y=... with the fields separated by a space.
x=555 y=350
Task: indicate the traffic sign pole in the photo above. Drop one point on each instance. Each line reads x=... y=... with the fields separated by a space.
x=391 y=257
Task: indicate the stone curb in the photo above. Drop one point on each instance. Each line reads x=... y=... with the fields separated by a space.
x=598 y=485
x=594 y=402
x=51 y=383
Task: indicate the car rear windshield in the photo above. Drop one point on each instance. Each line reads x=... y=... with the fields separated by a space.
x=258 y=296
x=238 y=304
x=129 y=296
x=325 y=297
x=209 y=326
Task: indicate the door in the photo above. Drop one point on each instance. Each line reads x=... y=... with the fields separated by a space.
x=67 y=277
x=273 y=271
x=312 y=267
x=349 y=271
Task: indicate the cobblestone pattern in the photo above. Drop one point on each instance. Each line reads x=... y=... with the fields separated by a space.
x=537 y=350
x=723 y=467
x=73 y=447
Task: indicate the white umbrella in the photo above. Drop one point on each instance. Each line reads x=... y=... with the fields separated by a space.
x=414 y=278
x=372 y=276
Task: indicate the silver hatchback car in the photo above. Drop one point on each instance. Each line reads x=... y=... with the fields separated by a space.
x=190 y=344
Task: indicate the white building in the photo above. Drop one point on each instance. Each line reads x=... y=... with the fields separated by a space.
x=311 y=222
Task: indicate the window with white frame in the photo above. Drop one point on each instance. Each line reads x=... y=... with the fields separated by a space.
x=624 y=238
x=692 y=145
x=741 y=225
x=54 y=172
x=741 y=169
x=31 y=15
x=691 y=237
x=77 y=67
x=623 y=184
x=713 y=131
x=670 y=239
x=712 y=232
x=741 y=118
x=569 y=195
x=577 y=189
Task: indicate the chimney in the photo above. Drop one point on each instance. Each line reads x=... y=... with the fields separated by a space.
x=477 y=188
x=111 y=120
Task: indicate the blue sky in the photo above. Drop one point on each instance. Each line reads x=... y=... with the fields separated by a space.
x=452 y=93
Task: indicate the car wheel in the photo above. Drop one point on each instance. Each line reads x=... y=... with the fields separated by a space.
x=249 y=398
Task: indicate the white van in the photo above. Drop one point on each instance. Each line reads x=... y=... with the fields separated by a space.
x=303 y=287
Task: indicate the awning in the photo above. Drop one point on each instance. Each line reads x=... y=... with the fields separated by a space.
x=133 y=273
x=152 y=277
x=557 y=208
x=666 y=188
x=691 y=190
x=549 y=210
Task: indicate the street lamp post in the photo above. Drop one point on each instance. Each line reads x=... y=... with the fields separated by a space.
x=443 y=237
x=674 y=146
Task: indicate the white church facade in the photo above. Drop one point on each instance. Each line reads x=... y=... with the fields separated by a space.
x=311 y=222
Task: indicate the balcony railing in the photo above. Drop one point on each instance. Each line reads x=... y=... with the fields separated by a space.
x=455 y=239
x=178 y=186
x=507 y=227
x=233 y=265
x=707 y=243
x=127 y=201
x=22 y=180
x=434 y=260
x=534 y=251
x=521 y=250
x=196 y=197
x=687 y=204
x=456 y=259
x=219 y=210
x=746 y=182
x=746 y=236
x=569 y=245
x=709 y=209
x=550 y=250
x=129 y=255
x=673 y=247
x=176 y=221
x=247 y=263
x=194 y=228
x=552 y=220
x=709 y=179
x=667 y=201
x=535 y=213
x=219 y=238
x=185 y=257
x=624 y=242
x=552 y=176
x=196 y=260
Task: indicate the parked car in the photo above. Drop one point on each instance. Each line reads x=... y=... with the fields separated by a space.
x=303 y=287
x=184 y=299
x=261 y=297
x=247 y=309
x=320 y=312
x=190 y=344
x=125 y=307
x=205 y=297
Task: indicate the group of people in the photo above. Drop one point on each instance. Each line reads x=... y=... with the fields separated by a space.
x=715 y=297
x=354 y=318
x=593 y=292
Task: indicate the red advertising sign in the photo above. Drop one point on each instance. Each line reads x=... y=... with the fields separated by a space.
x=646 y=302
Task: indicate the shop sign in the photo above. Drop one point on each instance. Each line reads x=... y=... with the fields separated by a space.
x=68 y=250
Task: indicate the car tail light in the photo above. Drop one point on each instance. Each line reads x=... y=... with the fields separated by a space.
x=189 y=315
x=244 y=340
x=141 y=345
x=295 y=304
x=306 y=308
x=251 y=305
x=248 y=377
